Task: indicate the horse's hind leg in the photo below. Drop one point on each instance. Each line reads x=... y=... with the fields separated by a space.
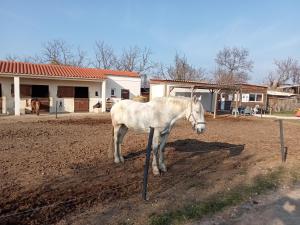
x=123 y=131
x=163 y=141
x=119 y=133
x=155 y=146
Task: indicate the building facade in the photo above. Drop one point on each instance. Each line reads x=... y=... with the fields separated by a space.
x=62 y=88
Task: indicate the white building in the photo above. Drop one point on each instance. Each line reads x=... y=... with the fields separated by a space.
x=214 y=97
x=61 y=88
x=160 y=88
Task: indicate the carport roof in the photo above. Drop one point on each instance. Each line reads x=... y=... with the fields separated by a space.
x=196 y=84
x=49 y=70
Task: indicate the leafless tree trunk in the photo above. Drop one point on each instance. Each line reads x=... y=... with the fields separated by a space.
x=233 y=66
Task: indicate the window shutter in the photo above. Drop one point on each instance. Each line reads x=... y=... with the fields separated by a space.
x=65 y=92
x=25 y=90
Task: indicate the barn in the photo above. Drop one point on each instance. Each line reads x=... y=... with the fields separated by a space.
x=60 y=88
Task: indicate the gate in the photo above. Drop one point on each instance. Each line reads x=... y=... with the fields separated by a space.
x=81 y=105
x=44 y=104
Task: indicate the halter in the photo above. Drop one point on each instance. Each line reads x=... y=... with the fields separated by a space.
x=191 y=114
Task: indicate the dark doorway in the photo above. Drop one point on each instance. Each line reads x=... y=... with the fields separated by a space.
x=81 y=99
x=41 y=92
x=125 y=94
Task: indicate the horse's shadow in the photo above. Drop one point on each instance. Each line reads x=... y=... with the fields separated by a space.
x=202 y=147
x=196 y=147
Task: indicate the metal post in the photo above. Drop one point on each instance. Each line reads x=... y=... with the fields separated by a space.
x=282 y=147
x=56 y=109
x=146 y=167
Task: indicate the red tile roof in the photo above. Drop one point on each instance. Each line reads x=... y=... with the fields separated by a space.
x=49 y=70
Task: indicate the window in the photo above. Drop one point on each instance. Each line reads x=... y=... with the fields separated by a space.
x=255 y=97
x=96 y=93
x=259 y=97
x=252 y=98
x=245 y=97
x=113 y=92
x=125 y=94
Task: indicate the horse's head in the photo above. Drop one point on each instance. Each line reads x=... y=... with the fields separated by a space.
x=195 y=114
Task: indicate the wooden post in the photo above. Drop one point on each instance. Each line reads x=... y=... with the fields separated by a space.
x=282 y=147
x=147 y=162
x=215 y=105
x=236 y=103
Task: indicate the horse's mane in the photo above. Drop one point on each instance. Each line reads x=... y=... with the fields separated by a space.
x=174 y=100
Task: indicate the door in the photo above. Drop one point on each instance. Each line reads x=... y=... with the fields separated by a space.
x=81 y=99
x=41 y=93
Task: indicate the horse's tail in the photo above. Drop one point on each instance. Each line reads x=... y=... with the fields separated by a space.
x=112 y=145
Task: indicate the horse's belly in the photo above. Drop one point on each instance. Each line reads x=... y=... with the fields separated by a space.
x=141 y=127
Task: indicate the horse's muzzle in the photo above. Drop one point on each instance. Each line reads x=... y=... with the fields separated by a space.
x=200 y=130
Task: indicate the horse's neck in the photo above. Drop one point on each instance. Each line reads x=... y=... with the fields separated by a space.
x=181 y=107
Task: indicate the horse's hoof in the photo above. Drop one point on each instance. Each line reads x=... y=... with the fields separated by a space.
x=117 y=160
x=122 y=159
x=163 y=168
x=155 y=171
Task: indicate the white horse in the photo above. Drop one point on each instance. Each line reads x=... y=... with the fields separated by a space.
x=161 y=114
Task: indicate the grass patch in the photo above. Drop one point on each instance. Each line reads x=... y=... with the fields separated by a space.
x=285 y=113
x=261 y=184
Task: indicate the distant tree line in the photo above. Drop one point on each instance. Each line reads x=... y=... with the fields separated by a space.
x=232 y=65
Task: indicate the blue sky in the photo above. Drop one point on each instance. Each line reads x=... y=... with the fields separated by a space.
x=198 y=29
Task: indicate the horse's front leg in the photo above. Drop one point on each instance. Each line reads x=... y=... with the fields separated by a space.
x=155 y=146
x=163 y=141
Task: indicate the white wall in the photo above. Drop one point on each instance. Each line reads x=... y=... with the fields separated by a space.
x=157 y=90
x=120 y=82
x=67 y=103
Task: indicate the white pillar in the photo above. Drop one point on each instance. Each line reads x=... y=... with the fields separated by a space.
x=103 y=95
x=17 y=95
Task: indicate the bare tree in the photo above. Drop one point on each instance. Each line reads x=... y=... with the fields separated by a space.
x=12 y=58
x=135 y=59
x=28 y=59
x=104 y=56
x=60 y=53
x=286 y=70
x=180 y=70
x=233 y=66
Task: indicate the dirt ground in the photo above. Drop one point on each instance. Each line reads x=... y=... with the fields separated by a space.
x=57 y=171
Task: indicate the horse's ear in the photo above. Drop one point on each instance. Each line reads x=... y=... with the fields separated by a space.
x=200 y=98
x=195 y=98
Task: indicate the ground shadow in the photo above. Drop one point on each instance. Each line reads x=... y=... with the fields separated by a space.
x=201 y=147
x=195 y=146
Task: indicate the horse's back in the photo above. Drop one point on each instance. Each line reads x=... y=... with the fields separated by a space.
x=133 y=114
